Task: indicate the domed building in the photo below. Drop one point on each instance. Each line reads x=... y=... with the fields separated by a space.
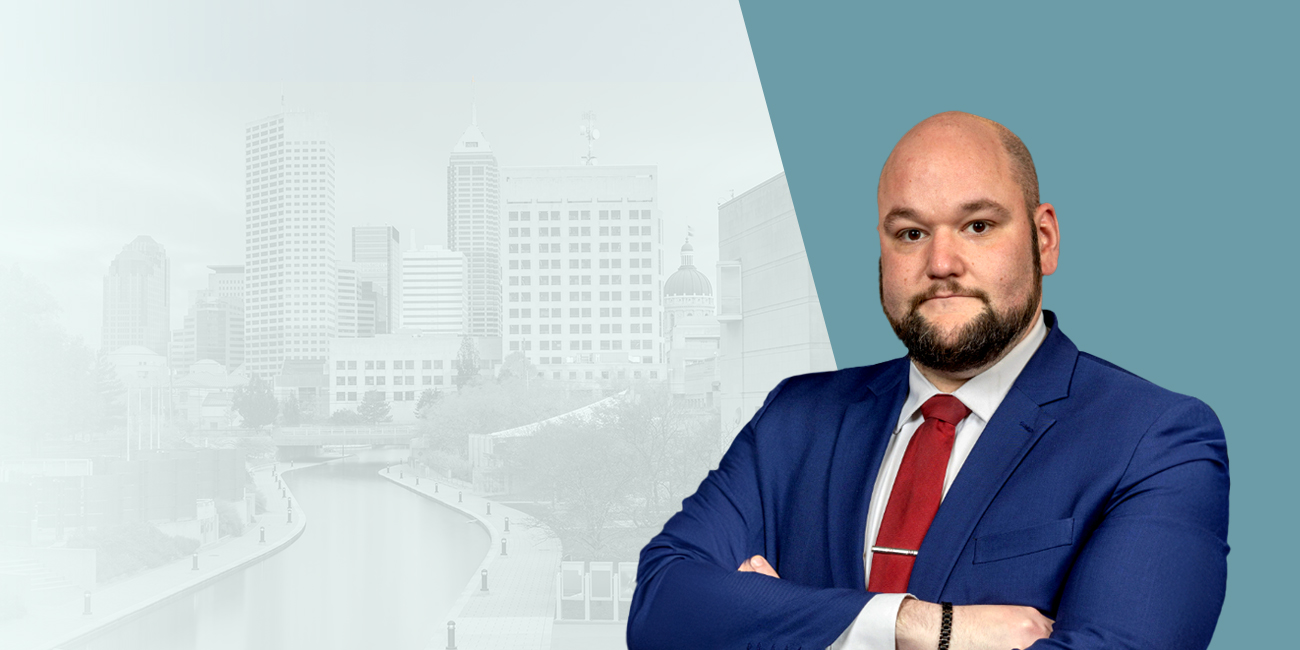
x=688 y=292
x=692 y=332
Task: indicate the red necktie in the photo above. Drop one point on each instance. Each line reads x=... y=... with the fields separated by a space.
x=914 y=500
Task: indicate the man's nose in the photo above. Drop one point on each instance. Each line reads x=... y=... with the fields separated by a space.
x=945 y=254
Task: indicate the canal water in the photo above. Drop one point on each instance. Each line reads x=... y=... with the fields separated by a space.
x=377 y=567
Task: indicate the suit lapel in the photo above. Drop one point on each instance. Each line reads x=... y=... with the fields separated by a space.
x=1016 y=426
x=855 y=460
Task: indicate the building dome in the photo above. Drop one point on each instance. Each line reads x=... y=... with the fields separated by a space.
x=688 y=280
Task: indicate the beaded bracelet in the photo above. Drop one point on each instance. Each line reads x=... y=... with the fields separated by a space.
x=945 y=626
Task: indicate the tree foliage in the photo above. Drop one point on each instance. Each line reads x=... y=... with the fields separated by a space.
x=290 y=412
x=346 y=417
x=494 y=406
x=516 y=366
x=615 y=478
x=131 y=547
x=255 y=402
x=373 y=409
x=427 y=399
x=48 y=390
x=466 y=362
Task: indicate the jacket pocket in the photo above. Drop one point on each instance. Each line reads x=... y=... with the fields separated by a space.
x=1014 y=543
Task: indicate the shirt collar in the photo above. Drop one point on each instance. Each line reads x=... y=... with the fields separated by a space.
x=984 y=392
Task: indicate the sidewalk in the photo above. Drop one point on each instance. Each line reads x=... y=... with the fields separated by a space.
x=64 y=622
x=518 y=610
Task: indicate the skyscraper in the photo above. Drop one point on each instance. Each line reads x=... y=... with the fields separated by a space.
x=214 y=327
x=474 y=228
x=433 y=290
x=291 y=283
x=584 y=271
x=356 y=310
x=377 y=254
x=137 y=298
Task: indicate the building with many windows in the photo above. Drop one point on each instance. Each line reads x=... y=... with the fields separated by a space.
x=377 y=254
x=290 y=272
x=433 y=290
x=474 y=230
x=398 y=366
x=584 y=271
x=137 y=298
x=214 y=326
x=356 y=307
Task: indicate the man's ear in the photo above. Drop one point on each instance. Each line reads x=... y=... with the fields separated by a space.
x=1049 y=237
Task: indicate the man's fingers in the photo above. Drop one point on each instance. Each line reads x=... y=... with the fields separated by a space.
x=757 y=564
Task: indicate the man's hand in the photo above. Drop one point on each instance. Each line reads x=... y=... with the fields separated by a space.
x=757 y=564
x=974 y=627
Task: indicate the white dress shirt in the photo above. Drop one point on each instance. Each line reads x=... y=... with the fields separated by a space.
x=873 y=629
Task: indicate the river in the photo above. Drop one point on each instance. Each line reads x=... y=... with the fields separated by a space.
x=377 y=567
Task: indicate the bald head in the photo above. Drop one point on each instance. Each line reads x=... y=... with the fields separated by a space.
x=981 y=132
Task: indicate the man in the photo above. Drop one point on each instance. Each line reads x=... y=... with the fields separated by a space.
x=996 y=488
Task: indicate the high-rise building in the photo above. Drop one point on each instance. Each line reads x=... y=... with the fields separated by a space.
x=474 y=228
x=291 y=277
x=137 y=298
x=584 y=271
x=433 y=290
x=214 y=327
x=349 y=294
x=377 y=254
x=227 y=281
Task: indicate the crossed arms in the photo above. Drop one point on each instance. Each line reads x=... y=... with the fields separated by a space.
x=1151 y=575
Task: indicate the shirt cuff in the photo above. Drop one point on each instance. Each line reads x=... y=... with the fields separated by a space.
x=874 y=627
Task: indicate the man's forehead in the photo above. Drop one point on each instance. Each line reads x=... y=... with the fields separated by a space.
x=958 y=159
x=964 y=141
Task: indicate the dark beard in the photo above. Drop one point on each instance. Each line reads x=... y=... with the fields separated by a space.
x=978 y=343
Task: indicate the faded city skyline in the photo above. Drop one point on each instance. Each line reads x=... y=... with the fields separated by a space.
x=96 y=169
x=130 y=122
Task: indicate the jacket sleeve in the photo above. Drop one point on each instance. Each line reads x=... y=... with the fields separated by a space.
x=689 y=593
x=1153 y=574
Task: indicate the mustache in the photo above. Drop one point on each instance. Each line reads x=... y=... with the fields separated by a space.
x=948 y=287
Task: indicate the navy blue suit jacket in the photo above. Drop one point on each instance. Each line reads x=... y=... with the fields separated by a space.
x=1093 y=495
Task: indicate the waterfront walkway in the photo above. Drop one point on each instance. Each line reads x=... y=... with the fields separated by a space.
x=64 y=622
x=518 y=609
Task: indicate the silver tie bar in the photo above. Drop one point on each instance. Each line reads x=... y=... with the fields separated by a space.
x=895 y=551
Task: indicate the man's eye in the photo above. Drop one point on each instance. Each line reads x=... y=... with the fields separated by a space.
x=979 y=227
x=912 y=234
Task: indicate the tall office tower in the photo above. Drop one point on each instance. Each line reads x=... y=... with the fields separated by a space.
x=227 y=281
x=584 y=271
x=377 y=253
x=137 y=298
x=291 y=277
x=474 y=229
x=356 y=310
x=433 y=290
x=214 y=327
x=349 y=293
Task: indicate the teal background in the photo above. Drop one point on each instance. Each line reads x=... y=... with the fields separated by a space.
x=1166 y=137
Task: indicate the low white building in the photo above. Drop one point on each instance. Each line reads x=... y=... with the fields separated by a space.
x=204 y=396
x=399 y=367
